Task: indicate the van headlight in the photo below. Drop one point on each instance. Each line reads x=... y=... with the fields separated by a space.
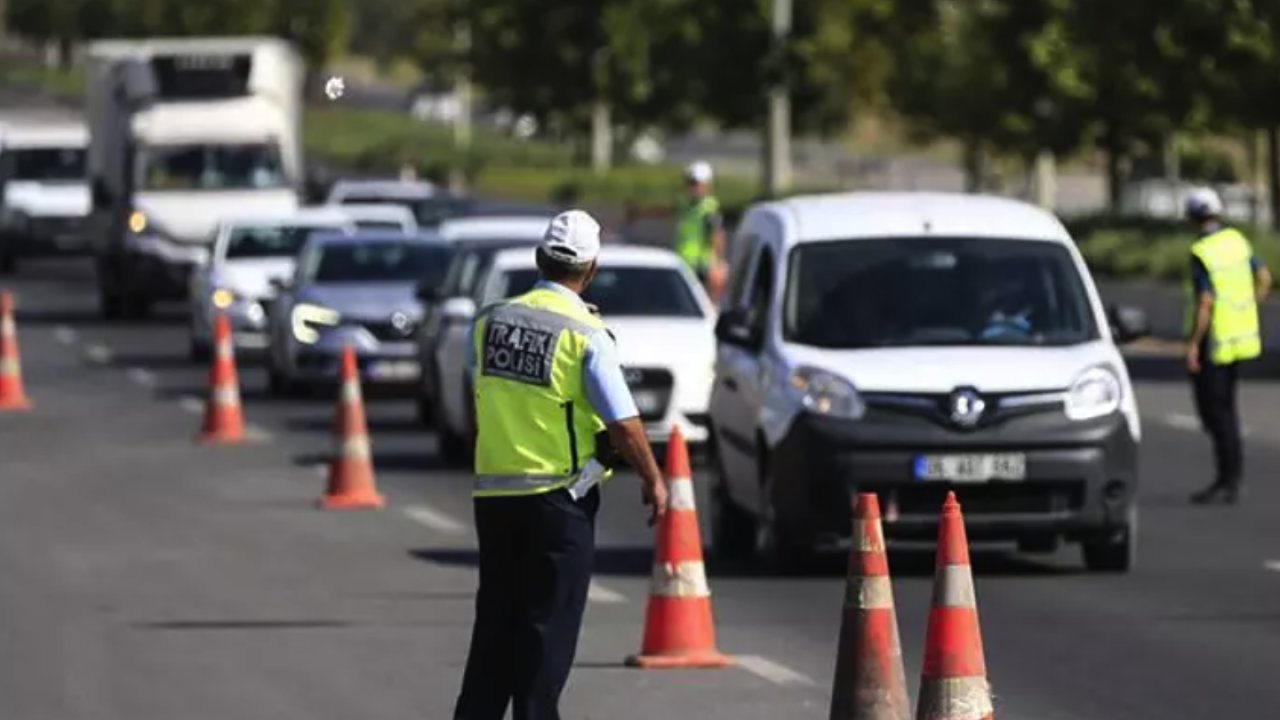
x=1095 y=393
x=137 y=222
x=307 y=314
x=223 y=298
x=825 y=393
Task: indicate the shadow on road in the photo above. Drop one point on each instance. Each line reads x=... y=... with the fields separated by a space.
x=1157 y=368
x=638 y=562
x=243 y=624
x=389 y=461
x=316 y=424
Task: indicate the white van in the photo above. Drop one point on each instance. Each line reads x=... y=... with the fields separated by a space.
x=908 y=344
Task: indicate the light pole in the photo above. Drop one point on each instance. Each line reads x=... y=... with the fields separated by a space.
x=777 y=140
x=462 y=80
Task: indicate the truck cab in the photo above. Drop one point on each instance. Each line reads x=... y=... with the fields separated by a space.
x=183 y=133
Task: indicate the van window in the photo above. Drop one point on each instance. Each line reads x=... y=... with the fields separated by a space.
x=903 y=292
x=742 y=253
x=761 y=291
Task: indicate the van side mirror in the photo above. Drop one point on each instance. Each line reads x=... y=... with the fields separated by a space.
x=732 y=328
x=427 y=292
x=1128 y=323
x=280 y=284
x=458 y=310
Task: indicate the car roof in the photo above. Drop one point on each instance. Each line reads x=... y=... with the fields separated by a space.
x=866 y=215
x=313 y=215
x=408 y=189
x=376 y=211
x=366 y=236
x=43 y=135
x=629 y=255
x=515 y=228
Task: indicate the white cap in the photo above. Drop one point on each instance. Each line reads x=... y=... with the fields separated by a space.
x=1203 y=202
x=699 y=172
x=572 y=236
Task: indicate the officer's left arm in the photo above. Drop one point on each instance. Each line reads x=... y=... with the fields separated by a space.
x=1261 y=278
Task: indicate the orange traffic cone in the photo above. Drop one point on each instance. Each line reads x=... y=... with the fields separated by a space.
x=223 y=420
x=12 y=396
x=679 y=631
x=870 y=682
x=953 y=684
x=351 y=482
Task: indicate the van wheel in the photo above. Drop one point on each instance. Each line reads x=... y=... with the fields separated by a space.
x=1117 y=551
x=781 y=550
x=733 y=530
x=8 y=264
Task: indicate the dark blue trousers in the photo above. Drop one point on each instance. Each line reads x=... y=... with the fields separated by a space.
x=535 y=565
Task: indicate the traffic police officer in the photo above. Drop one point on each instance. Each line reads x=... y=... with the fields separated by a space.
x=699 y=226
x=550 y=403
x=1227 y=281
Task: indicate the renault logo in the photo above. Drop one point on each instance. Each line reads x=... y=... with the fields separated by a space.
x=966 y=407
x=400 y=321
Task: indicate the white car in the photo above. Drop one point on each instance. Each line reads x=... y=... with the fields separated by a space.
x=381 y=217
x=405 y=192
x=44 y=205
x=247 y=254
x=909 y=344
x=659 y=314
x=495 y=227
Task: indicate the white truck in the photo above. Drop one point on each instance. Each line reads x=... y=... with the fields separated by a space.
x=44 y=203
x=182 y=133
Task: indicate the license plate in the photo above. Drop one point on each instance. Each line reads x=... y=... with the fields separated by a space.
x=971 y=468
x=647 y=401
x=394 y=370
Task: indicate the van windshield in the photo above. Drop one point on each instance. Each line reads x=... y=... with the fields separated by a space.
x=904 y=292
x=248 y=166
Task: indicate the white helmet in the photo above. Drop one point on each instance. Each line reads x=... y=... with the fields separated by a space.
x=1203 y=202
x=699 y=172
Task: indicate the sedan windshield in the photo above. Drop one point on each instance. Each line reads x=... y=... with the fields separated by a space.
x=380 y=261
x=625 y=291
x=46 y=164
x=905 y=292
x=211 y=167
x=429 y=212
x=269 y=241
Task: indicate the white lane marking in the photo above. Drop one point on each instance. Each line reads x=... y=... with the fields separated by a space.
x=1272 y=565
x=775 y=673
x=191 y=404
x=100 y=354
x=142 y=376
x=256 y=434
x=64 y=334
x=1183 y=421
x=433 y=519
x=598 y=593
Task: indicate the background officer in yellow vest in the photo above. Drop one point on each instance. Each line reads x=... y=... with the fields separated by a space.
x=551 y=401
x=700 y=226
x=1227 y=282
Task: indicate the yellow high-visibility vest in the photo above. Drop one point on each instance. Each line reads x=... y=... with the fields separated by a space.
x=1234 y=334
x=535 y=428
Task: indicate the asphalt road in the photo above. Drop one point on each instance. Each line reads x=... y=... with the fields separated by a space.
x=148 y=578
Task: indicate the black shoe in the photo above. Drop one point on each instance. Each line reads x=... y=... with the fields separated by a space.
x=1213 y=494
x=1233 y=494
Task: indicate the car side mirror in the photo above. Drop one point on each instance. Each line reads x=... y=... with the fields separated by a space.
x=732 y=328
x=427 y=292
x=1128 y=323
x=458 y=309
x=280 y=284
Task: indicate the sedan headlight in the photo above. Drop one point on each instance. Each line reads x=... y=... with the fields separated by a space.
x=826 y=393
x=223 y=298
x=307 y=314
x=1095 y=393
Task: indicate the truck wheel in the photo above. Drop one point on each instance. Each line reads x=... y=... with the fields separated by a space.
x=111 y=305
x=1117 y=551
x=200 y=352
x=136 y=306
x=8 y=264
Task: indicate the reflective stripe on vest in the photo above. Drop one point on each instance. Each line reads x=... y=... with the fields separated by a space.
x=534 y=426
x=693 y=242
x=1234 y=333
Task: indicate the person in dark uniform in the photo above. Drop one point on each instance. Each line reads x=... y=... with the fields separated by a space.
x=1227 y=283
x=551 y=403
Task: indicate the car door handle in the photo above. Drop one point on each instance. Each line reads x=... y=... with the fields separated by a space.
x=730 y=383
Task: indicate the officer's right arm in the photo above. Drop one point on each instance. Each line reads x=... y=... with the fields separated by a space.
x=1261 y=278
x=610 y=397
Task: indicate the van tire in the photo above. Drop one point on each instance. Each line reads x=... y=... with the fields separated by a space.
x=733 y=530
x=780 y=550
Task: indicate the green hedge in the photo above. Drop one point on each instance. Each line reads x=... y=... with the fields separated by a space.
x=1158 y=249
